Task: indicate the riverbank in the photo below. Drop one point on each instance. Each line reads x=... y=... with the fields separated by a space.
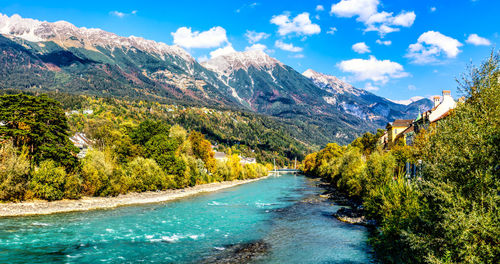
x=40 y=207
x=352 y=211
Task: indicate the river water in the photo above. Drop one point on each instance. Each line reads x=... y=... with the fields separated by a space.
x=283 y=213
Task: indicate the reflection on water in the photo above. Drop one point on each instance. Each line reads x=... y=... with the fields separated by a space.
x=275 y=220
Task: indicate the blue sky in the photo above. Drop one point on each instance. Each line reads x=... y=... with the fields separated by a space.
x=395 y=48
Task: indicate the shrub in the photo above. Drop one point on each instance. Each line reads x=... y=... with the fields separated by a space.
x=14 y=170
x=97 y=173
x=48 y=181
x=146 y=175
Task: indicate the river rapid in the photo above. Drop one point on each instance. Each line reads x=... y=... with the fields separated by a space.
x=273 y=220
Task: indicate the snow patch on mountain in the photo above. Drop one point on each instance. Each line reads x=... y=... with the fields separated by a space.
x=408 y=101
x=229 y=63
x=331 y=84
x=68 y=35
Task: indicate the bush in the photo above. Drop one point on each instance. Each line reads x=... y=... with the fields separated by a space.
x=145 y=175
x=48 y=181
x=98 y=170
x=14 y=170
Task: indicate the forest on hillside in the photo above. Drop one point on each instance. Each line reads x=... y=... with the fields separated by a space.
x=134 y=149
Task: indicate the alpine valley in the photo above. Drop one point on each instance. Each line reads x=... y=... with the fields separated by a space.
x=40 y=56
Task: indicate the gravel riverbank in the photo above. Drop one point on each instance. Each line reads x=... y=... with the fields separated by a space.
x=93 y=203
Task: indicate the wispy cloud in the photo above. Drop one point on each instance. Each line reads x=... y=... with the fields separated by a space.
x=476 y=40
x=287 y=46
x=361 y=48
x=254 y=37
x=331 y=31
x=122 y=14
x=247 y=6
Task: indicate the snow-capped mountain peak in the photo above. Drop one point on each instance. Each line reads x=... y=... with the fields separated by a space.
x=408 y=101
x=331 y=83
x=228 y=63
x=68 y=35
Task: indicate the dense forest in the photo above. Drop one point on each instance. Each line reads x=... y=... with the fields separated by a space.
x=135 y=148
x=449 y=212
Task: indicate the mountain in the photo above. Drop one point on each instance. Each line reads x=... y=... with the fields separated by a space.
x=363 y=104
x=41 y=56
x=60 y=56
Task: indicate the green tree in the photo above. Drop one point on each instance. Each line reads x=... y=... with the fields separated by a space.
x=162 y=149
x=40 y=124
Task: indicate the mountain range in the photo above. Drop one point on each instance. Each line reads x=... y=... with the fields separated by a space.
x=43 y=56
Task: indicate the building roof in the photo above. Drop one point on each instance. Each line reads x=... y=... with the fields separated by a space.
x=408 y=130
x=402 y=122
x=80 y=140
x=443 y=116
x=219 y=155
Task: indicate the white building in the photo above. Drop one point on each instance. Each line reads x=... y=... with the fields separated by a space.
x=442 y=106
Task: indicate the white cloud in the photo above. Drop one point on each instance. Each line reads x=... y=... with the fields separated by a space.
x=372 y=69
x=298 y=56
x=361 y=48
x=286 y=46
x=332 y=30
x=212 y=38
x=301 y=24
x=412 y=87
x=476 y=40
x=122 y=14
x=254 y=36
x=222 y=51
x=320 y=8
x=366 y=11
x=433 y=9
x=369 y=87
x=431 y=45
x=384 y=42
x=363 y=9
x=405 y=19
x=247 y=6
x=117 y=13
x=257 y=46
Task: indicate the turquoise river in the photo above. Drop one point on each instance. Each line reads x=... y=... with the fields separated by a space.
x=283 y=213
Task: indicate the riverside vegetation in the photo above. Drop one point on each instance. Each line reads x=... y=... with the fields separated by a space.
x=450 y=213
x=135 y=150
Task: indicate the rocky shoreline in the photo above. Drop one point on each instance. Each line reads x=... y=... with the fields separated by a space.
x=352 y=212
x=40 y=207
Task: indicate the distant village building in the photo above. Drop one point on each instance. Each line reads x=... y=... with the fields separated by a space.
x=85 y=112
x=406 y=130
x=244 y=160
x=395 y=128
x=81 y=141
x=442 y=108
x=221 y=156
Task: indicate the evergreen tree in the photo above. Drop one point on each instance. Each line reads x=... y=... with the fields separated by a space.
x=40 y=124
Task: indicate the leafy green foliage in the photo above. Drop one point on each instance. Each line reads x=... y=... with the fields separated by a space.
x=40 y=124
x=450 y=214
x=14 y=168
x=48 y=181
